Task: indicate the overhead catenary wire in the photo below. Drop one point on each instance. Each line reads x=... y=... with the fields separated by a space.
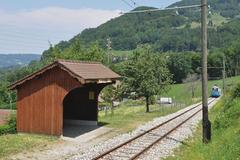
x=127 y=3
x=38 y=39
x=163 y=9
x=206 y=134
x=134 y=3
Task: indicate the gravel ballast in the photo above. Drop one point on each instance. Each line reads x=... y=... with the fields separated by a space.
x=163 y=149
x=75 y=150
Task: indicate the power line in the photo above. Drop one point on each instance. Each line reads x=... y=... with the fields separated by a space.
x=128 y=4
x=164 y=9
x=206 y=134
x=134 y=3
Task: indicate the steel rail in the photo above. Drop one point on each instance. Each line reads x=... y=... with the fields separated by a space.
x=146 y=132
x=165 y=135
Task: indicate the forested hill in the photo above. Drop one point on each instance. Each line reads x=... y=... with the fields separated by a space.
x=176 y=30
x=10 y=60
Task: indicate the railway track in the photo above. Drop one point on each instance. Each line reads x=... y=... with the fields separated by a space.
x=137 y=146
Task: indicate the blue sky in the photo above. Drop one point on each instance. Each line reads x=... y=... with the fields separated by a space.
x=27 y=26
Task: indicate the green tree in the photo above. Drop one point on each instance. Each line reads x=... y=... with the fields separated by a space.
x=110 y=94
x=179 y=65
x=75 y=51
x=232 y=54
x=145 y=74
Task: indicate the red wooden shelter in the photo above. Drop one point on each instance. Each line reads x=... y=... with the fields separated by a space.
x=63 y=92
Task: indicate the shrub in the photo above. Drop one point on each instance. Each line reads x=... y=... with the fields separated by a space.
x=8 y=106
x=12 y=122
x=236 y=91
x=5 y=129
x=152 y=100
x=10 y=127
x=228 y=114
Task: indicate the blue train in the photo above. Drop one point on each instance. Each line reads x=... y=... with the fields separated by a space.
x=216 y=92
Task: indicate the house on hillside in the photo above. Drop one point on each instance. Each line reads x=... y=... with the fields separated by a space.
x=64 y=92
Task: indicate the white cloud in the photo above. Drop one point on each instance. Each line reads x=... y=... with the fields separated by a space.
x=56 y=16
x=55 y=23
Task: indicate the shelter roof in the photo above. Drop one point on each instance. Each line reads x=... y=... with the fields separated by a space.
x=84 y=72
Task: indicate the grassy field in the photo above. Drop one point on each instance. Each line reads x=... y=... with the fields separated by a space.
x=181 y=93
x=225 y=144
x=126 y=118
x=14 y=143
x=216 y=19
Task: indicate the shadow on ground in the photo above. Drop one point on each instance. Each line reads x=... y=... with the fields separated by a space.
x=73 y=131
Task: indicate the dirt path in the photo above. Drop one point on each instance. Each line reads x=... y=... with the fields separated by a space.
x=64 y=147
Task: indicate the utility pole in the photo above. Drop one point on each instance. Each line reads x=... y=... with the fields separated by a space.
x=109 y=48
x=206 y=123
x=224 y=75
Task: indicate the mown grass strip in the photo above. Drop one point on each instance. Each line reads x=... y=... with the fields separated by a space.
x=14 y=143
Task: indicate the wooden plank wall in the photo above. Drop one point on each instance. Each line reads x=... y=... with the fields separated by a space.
x=39 y=104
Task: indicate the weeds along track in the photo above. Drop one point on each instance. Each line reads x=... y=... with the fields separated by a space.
x=137 y=146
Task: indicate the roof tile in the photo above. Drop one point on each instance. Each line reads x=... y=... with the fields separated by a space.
x=88 y=71
x=78 y=69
